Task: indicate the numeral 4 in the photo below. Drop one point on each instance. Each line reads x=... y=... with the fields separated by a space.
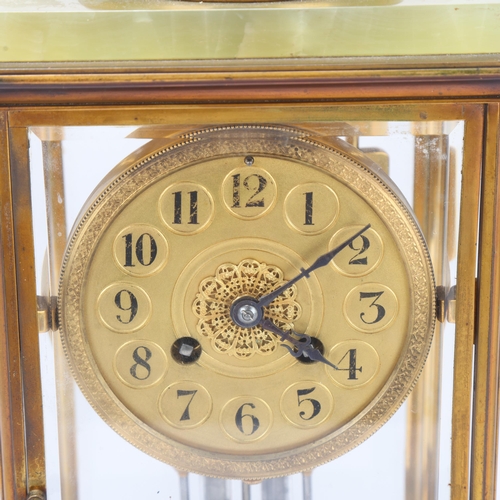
x=352 y=367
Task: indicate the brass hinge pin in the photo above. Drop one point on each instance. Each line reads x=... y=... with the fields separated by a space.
x=446 y=304
x=47 y=313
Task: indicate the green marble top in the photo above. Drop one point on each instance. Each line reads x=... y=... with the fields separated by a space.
x=155 y=30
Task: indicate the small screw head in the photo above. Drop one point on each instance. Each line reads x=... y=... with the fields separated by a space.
x=247 y=314
x=249 y=160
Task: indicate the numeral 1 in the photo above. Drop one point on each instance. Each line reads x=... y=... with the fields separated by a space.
x=309 y=209
x=193 y=207
x=236 y=191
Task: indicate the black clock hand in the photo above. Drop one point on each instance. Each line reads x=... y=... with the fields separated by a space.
x=303 y=345
x=321 y=261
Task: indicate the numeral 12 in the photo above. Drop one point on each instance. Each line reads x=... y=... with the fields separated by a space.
x=246 y=184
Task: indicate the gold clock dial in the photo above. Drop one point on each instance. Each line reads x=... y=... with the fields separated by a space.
x=160 y=313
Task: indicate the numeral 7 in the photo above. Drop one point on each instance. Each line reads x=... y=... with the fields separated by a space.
x=180 y=393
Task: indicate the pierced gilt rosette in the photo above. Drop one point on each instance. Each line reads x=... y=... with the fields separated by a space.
x=249 y=278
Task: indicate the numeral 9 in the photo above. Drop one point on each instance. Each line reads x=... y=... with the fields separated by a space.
x=132 y=307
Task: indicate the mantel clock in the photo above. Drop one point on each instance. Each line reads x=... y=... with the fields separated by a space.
x=251 y=267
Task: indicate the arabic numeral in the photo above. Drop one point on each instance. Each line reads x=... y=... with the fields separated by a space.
x=315 y=404
x=308 y=216
x=365 y=245
x=132 y=306
x=141 y=369
x=180 y=393
x=351 y=362
x=251 y=424
x=193 y=207
x=380 y=309
x=255 y=184
x=144 y=250
x=236 y=191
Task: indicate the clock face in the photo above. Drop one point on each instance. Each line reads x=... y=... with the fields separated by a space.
x=171 y=328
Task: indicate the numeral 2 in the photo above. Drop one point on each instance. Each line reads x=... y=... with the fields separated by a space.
x=365 y=245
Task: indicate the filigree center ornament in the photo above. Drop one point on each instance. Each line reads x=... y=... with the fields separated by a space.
x=216 y=295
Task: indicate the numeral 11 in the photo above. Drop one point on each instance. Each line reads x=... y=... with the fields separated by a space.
x=193 y=207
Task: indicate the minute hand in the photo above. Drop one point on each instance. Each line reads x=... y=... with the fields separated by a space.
x=321 y=261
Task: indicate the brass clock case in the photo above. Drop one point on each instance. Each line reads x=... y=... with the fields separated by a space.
x=180 y=233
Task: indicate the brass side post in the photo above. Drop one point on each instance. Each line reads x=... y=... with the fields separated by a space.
x=487 y=355
x=430 y=192
x=28 y=317
x=56 y=225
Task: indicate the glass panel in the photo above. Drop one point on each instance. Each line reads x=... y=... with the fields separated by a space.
x=409 y=454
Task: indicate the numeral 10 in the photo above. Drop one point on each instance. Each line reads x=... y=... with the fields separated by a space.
x=139 y=250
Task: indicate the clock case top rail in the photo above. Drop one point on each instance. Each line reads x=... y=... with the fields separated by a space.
x=346 y=79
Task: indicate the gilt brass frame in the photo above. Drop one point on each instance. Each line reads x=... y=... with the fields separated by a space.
x=81 y=96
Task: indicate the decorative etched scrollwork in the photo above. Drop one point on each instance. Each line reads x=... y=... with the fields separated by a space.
x=249 y=278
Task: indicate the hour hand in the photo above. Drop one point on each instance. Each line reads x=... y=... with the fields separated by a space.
x=303 y=346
